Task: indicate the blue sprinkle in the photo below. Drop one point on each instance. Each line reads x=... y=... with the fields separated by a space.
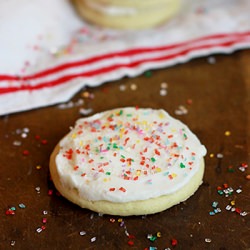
x=21 y=205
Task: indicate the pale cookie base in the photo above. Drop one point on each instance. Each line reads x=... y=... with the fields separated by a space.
x=150 y=206
x=144 y=19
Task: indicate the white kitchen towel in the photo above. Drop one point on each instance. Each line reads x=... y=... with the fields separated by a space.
x=47 y=54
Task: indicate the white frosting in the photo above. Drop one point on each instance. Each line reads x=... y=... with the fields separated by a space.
x=128 y=154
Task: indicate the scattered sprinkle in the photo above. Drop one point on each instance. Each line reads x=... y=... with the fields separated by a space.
x=243 y=166
x=93 y=239
x=39 y=230
x=181 y=110
x=133 y=86
x=26 y=152
x=189 y=101
x=230 y=169
x=38 y=167
x=219 y=156
x=163 y=92
x=122 y=87
x=148 y=73
x=17 y=143
x=174 y=242
x=45 y=212
x=12 y=243
x=10 y=212
x=211 y=60
x=131 y=243
x=71 y=104
x=21 y=205
x=82 y=233
x=84 y=111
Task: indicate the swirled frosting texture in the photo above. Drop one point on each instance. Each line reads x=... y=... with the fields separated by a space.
x=128 y=154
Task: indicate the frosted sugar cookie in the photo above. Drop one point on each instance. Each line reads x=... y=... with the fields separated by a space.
x=128 y=14
x=128 y=161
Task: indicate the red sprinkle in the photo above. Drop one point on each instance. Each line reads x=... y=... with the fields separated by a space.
x=122 y=189
x=157 y=152
x=10 y=212
x=126 y=140
x=44 y=142
x=26 y=152
x=37 y=137
x=174 y=242
x=131 y=243
x=238 y=210
x=50 y=192
x=244 y=165
x=76 y=167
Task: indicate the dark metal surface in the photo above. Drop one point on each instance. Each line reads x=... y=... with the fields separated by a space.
x=216 y=96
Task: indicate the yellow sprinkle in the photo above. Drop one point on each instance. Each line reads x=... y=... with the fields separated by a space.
x=120 y=220
x=85 y=94
x=106 y=179
x=227 y=133
x=158 y=234
x=138 y=172
x=73 y=136
x=158 y=170
x=174 y=175
x=38 y=167
x=211 y=155
x=161 y=115
x=232 y=203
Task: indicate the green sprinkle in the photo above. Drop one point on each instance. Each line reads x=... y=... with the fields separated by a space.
x=185 y=136
x=108 y=173
x=153 y=159
x=220 y=192
x=148 y=73
x=115 y=145
x=123 y=156
x=121 y=112
x=153 y=238
x=182 y=165
x=129 y=115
